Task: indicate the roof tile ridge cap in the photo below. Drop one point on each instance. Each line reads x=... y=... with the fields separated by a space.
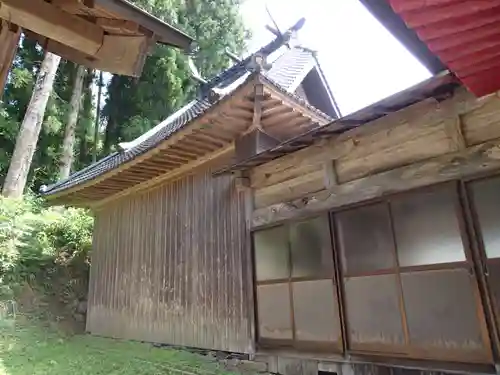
x=265 y=50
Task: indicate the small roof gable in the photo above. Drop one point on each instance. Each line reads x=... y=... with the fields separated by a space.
x=283 y=77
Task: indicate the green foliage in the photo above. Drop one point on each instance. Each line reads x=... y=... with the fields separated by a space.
x=136 y=105
x=39 y=245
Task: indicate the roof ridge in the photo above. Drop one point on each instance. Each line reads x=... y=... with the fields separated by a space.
x=266 y=50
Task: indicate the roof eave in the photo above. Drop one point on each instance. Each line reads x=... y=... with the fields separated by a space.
x=165 y=33
x=54 y=191
x=384 y=13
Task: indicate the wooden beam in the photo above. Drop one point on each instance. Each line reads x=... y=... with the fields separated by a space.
x=123 y=54
x=279 y=109
x=283 y=118
x=192 y=143
x=257 y=107
x=466 y=163
x=166 y=176
x=73 y=6
x=118 y=26
x=330 y=174
x=54 y=23
x=454 y=131
x=122 y=61
x=203 y=138
x=9 y=40
x=242 y=181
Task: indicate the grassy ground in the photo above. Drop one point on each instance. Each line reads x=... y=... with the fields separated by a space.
x=27 y=348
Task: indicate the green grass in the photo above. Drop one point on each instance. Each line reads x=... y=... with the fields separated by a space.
x=30 y=349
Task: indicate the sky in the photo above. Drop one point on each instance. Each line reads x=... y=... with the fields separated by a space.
x=362 y=61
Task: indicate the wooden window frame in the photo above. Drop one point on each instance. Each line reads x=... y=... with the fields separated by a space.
x=481 y=259
x=471 y=237
x=468 y=264
x=266 y=343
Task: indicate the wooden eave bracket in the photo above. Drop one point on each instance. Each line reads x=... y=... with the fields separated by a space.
x=257 y=109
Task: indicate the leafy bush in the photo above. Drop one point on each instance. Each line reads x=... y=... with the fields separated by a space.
x=48 y=248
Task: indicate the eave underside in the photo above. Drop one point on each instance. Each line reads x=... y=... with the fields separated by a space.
x=201 y=141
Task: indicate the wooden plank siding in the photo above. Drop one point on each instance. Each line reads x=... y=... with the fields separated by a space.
x=170 y=266
x=425 y=143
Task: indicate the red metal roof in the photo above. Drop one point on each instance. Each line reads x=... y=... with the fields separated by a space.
x=464 y=34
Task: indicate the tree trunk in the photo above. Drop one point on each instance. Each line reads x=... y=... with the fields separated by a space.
x=87 y=111
x=26 y=141
x=69 y=134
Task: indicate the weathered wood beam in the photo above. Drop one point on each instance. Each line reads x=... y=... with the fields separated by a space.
x=278 y=110
x=330 y=174
x=122 y=56
x=454 y=131
x=257 y=109
x=73 y=6
x=466 y=163
x=54 y=23
x=118 y=26
x=283 y=118
x=9 y=40
x=193 y=144
x=242 y=181
x=203 y=138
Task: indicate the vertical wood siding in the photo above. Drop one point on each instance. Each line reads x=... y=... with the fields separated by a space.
x=169 y=266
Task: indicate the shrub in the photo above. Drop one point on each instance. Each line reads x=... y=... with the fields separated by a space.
x=48 y=248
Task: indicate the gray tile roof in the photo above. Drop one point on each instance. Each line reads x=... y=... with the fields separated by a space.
x=285 y=74
x=291 y=67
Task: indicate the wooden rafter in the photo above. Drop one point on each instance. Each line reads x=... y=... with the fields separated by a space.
x=118 y=26
x=273 y=111
x=275 y=96
x=282 y=118
x=166 y=176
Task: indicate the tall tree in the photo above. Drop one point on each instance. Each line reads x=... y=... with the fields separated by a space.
x=136 y=105
x=85 y=126
x=27 y=138
x=70 y=132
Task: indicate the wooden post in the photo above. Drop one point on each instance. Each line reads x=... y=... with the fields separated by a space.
x=9 y=39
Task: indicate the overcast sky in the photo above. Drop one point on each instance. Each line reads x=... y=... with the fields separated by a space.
x=363 y=62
